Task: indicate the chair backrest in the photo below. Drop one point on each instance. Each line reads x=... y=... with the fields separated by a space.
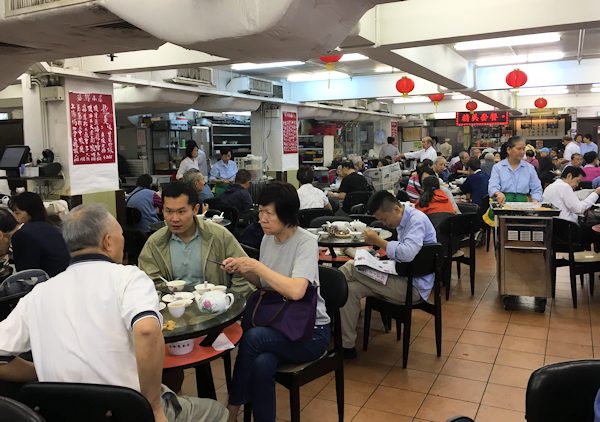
x=365 y=218
x=358 y=209
x=213 y=203
x=14 y=411
x=250 y=251
x=309 y=214
x=22 y=282
x=565 y=232
x=402 y=196
x=357 y=197
x=468 y=208
x=462 y=224
x=213 y=211
x=585 y=185
x=132 y=216
x=334 y=291
x=70 y=402
x=563 y=392
x=319 y=221
x=232 y=214
x=428 y=260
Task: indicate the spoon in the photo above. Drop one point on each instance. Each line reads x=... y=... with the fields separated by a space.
x=222 y=214
x=163 y=279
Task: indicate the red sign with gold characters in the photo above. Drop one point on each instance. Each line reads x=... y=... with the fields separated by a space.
x=92 y=128
x=290 y=132
x=482 y=118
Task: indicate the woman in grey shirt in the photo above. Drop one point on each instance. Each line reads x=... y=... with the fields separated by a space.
x=289 y=257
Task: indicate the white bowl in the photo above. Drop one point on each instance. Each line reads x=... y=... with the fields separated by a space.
x=217 y=219
x=178 y=296
x=204 y=287
x=176 y=285
x=181 y=347
x=161 y=306
x=219 y=288
x=177 y=308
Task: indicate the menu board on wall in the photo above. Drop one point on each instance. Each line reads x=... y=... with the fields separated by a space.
x=92 y=128
x=290 y=132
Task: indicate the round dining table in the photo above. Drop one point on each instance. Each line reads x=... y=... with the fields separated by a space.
x=331 y=241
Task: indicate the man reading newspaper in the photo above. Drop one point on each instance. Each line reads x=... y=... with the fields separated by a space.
x=414 y=229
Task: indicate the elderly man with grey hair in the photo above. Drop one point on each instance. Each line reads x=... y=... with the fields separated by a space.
x=197 y=181
x=97 y=322
x=488 y=163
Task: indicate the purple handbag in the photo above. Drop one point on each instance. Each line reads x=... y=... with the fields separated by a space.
x=295 y=319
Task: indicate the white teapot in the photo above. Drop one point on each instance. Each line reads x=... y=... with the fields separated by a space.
x=358 y=226
x=214 y=301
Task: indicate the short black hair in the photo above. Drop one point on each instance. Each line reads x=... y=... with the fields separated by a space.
x=144 y=181
x=285 y=199
x=225 y=151
x=573 y=171
x=474 y=164
x=381 y=201
x=385 y=161
x=426 y=163
x=424 y=169
x=588 y=135
x=590 y=156
x=529 y=153
x=390 y=139
x=32 y=204
x=176 y=189
x=8 y=222
x=348 y=165
x=189 y=148
x=305 y=174
x=242 y=176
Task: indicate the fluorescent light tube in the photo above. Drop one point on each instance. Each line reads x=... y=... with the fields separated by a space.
x=316 y=76
x=353 y=57
x=255 y=66
x=532 y=39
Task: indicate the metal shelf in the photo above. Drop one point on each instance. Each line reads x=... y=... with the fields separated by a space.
x=311 y=149
x=232 y=145
x=231 y=135
x=312 y=162
x=220 y=125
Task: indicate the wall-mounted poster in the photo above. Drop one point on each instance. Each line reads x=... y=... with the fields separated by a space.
x=290 y=132
x=92 y=128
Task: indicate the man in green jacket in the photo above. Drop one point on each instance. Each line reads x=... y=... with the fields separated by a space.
x=188 y=248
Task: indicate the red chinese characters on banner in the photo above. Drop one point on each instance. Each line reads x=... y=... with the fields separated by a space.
x=481 y=118
x=92 y=128
x=290 y=132
x=394 y=131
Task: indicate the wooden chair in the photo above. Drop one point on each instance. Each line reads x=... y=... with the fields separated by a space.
x=428 y=261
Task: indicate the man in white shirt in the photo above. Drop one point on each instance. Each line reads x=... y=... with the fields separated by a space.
x=310 y=196
x=428 y=151
x=97 y=322
x=560 y=194
x=571 y=148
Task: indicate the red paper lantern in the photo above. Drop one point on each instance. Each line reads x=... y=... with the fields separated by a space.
x=436 y=98
x=516 y=78
x=330 y=60
x=404 y=85
x=541 y=102
x=471 y=106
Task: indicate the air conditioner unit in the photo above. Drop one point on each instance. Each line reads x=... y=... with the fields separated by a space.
x=334 y=103
x=277 y=90
x=19 y=7
x=378 y=106
x=252 y=86
x=196 y=76
x=358 y=104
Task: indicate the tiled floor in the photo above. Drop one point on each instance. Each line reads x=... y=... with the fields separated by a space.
x=487 y=356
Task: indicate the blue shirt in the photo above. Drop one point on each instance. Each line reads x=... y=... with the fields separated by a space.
x=224 y=171
x=414 y=231
x=186 y=259
x=583 y=147
x=477 y=185
x=523 y=179
x=595 y=182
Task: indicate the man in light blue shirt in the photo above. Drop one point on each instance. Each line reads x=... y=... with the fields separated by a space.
x=514 y=175
x=414 y=230
x=225 y=169
x=588 y=144
x=184 y=258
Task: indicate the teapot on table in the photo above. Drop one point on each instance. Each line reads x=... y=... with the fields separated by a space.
x=214 y=301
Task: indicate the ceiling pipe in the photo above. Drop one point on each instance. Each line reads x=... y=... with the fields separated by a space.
x=580 y=45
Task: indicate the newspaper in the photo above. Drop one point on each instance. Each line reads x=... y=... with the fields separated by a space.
x=372 y=267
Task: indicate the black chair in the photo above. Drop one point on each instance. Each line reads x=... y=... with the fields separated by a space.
x=563 y=392
x=132 y=216
x=428 y=260
x=14 y=411
x=213 y=203
x=567 y=238
x=334 y=290
x=468 y=208
x=358 y=209
x=73 y=402
x=319 y=221
x=212 y=212
x=455 y=229
x=307 y=215
x=402 y=196
x=250 y=251
x=354 y=198
x=134 y=243
x=247 y=217
x=365 y=218
x=585 y=185
x=233 y=215
x=14 y=287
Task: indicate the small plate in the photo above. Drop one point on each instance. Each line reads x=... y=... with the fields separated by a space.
x=161 y=306
x=343 y=235
x=178 y=296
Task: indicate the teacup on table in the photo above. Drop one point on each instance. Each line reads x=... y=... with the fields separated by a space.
x=177 y=307
x=175 y=285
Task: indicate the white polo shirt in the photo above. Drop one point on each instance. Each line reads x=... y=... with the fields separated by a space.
x=78 y=324
x=571 y=149
x=311 y=197
x=422 y=154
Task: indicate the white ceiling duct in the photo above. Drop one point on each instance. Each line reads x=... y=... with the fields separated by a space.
x=149 y=99
x=313 y=113
x=221 y=104
x=368 y=118
x=345 y=116
x=248 y=30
